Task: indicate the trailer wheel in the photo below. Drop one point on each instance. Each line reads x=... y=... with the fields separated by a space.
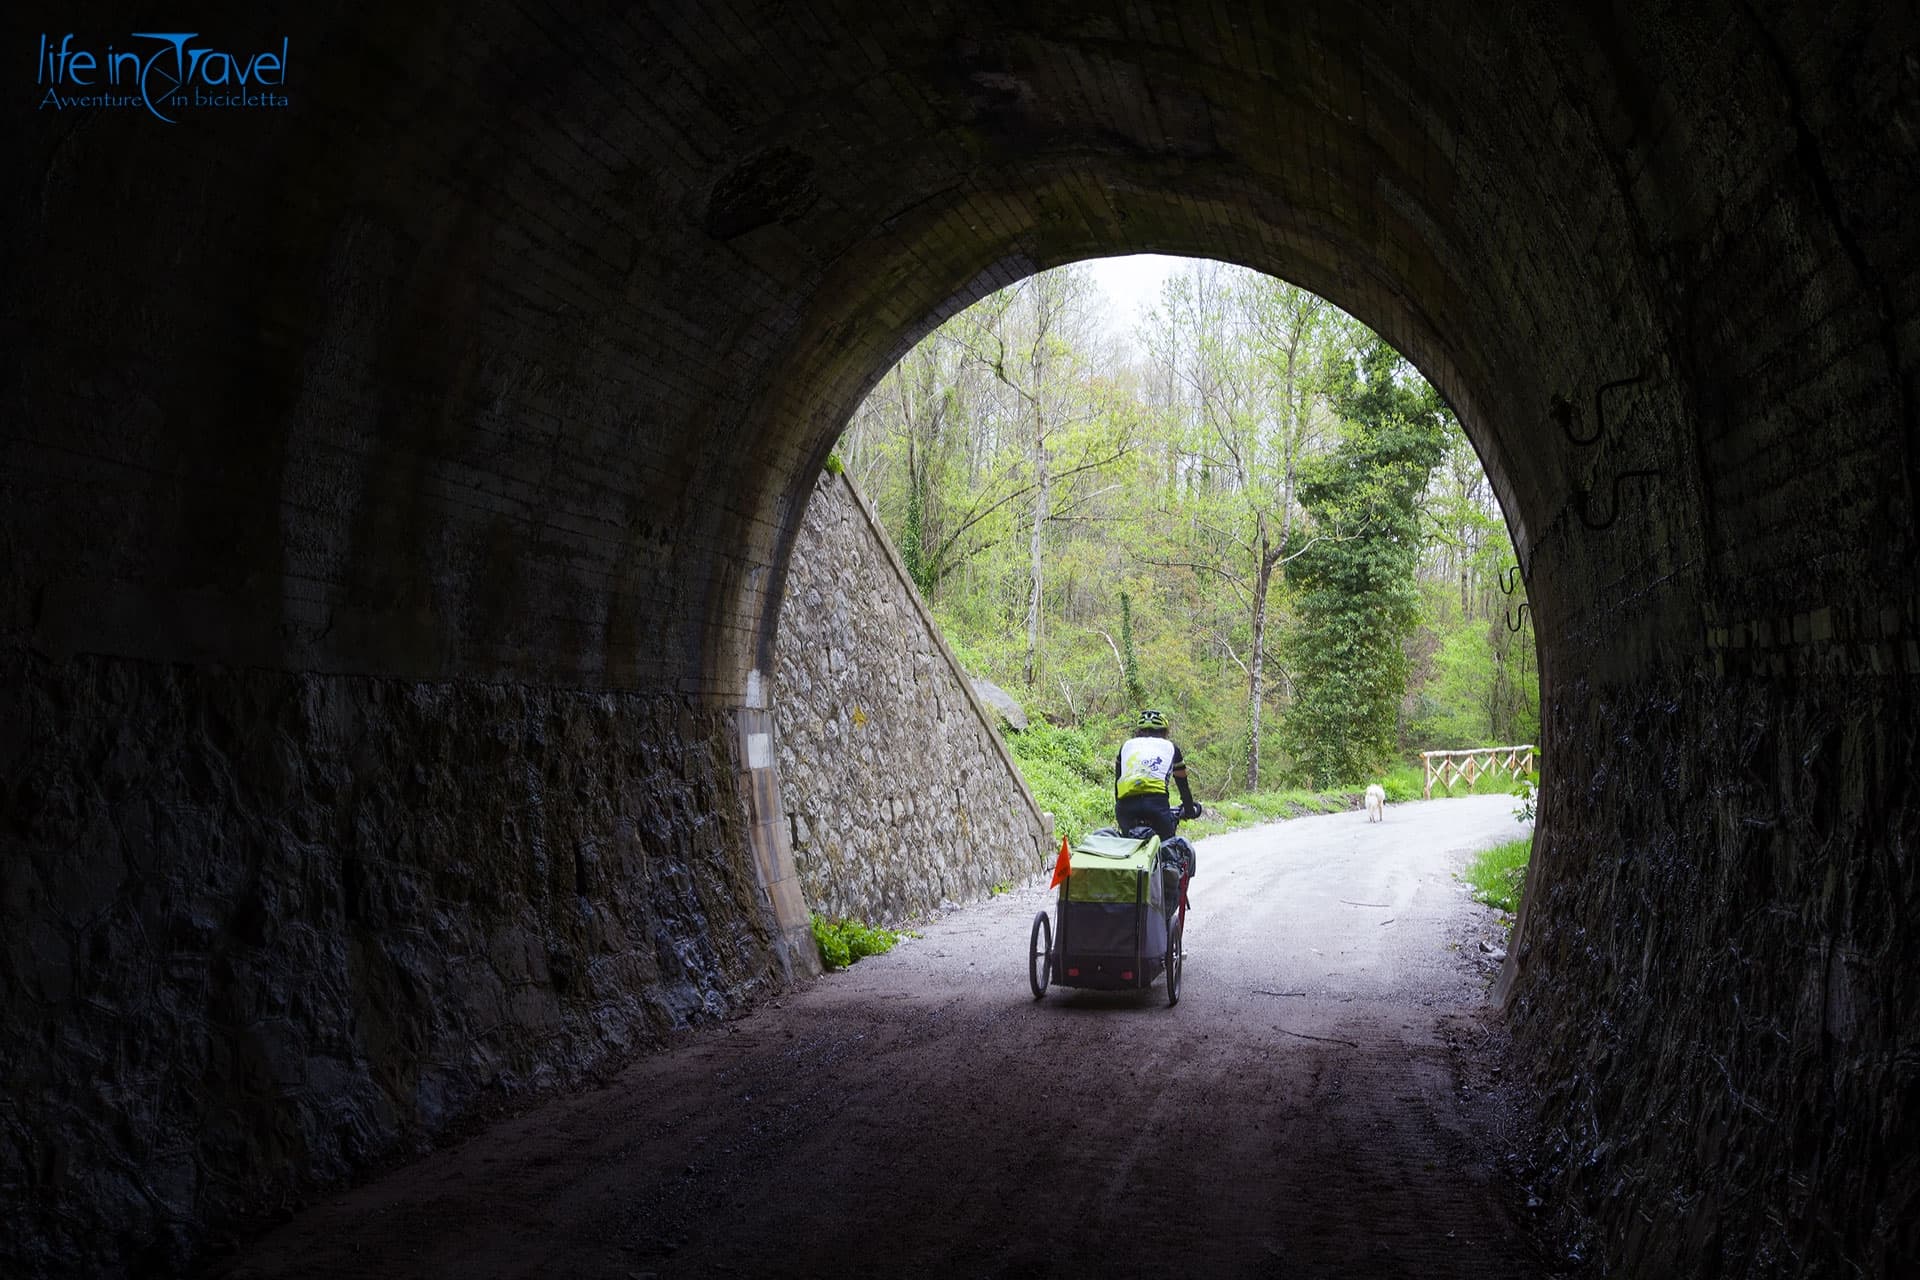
x=1040 y=955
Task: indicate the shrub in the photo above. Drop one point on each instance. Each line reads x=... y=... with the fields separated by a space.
x=1529 y=793
x=841 y=942
x=1070 y=772
x=1404 y=782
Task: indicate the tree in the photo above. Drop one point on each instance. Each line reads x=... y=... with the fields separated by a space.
x=1035 y=345
x=1358 y=598
x=979 y=421
x=907 y=426
x=1247 y=354
x=1475 y=667
x=1188 y=528
x=1136 y=693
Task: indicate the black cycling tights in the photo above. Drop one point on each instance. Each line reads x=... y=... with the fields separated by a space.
x=1146 y=811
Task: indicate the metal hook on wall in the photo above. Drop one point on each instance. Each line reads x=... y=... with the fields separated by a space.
x=1517 y=618
x=1586 y=499
x=1510 y=579
x=1563 y=410
x=1600 y=406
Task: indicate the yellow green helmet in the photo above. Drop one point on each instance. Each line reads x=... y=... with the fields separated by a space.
x=1153 y=719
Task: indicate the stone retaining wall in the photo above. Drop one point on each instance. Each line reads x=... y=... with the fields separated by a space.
x=259 y=931
x=900 y=795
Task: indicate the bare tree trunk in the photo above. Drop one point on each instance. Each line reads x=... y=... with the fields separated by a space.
x=1042 y=499
x=1257 y=664
x=1270 y=554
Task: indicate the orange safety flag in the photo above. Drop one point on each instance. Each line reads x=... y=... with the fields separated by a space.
x=1062 y=868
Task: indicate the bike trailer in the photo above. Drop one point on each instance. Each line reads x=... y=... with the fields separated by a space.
x=1115 y=911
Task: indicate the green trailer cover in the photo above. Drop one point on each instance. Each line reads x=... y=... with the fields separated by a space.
x=1113 y=905
x=1108 y=869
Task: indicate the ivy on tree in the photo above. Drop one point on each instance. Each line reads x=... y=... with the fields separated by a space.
x=1358 y=598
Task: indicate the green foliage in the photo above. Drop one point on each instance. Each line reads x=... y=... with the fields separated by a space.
x=834 y=465
x=1482 y=687
x=1355 y=573
x=912 y=538
x=1498 y=875
x=1529 y=793
x=1070 y=772
x=1475 y=679
x=842 y=942
x=1135 y=692
x=1404 y=782
x=1245 y=525
x=1463 y=672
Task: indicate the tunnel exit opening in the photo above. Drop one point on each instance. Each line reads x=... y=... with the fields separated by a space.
x=1229 y=500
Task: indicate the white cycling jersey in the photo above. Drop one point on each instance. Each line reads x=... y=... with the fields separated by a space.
x=1145 y=764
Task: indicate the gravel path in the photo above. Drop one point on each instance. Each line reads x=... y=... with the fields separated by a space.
x=1323 y=1101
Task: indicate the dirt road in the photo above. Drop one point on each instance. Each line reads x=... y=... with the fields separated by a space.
x=1323 y=1101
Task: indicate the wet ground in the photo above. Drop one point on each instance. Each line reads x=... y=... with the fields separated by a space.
x=1326 y=1100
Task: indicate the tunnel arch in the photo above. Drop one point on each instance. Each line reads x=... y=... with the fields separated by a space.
x=1406 y=265
x=844 y=376
x=868 y=321
x=467 y=409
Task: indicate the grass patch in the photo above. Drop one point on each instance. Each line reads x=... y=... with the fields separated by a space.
x=1403 y=783
x=1497 y=875
x=842 y=942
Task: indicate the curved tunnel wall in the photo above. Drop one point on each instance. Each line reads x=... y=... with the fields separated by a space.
x=500 y=369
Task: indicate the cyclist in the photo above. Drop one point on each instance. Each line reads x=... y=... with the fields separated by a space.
x=1142 y=769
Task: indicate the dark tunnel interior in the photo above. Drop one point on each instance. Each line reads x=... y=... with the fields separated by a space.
x=399 y=485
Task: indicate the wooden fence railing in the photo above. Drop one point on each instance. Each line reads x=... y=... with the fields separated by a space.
x=1449 y=767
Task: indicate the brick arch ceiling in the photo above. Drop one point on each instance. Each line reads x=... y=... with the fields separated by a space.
x=1347 y=181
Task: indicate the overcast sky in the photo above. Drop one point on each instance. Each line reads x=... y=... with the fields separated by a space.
x=1132 y=284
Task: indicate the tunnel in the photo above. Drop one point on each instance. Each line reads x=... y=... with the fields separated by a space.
x=401 y=474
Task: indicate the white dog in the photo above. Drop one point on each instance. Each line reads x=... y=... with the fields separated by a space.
x=1376 y=803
